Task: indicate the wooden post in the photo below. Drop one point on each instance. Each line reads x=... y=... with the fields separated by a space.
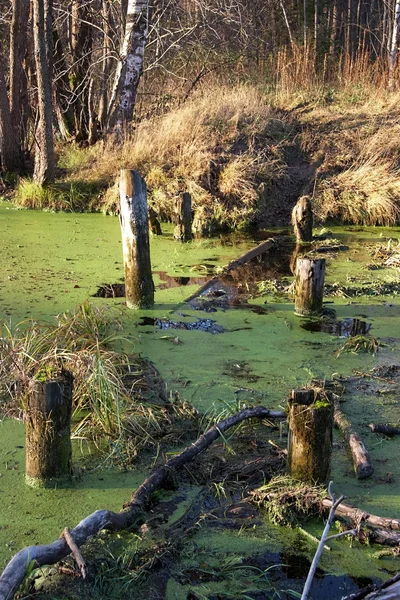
x=310 y=276
x=183 y=218
x=302 y=219
x=310 y=435
x=154 y=223
x=139 y=286
x=48 y=430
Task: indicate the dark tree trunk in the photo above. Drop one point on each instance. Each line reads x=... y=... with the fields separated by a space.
x=18 y=81
x=81 y=41
x=9 y=152
x=44 y=156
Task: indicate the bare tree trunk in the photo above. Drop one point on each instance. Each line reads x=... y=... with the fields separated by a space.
x=106 y=64
x=316 y=40
x=44 y=157
x=286 y=21
x=18 y=82
x=9 y=152
x=393 y=49
x=81 y=41
x=129 y=68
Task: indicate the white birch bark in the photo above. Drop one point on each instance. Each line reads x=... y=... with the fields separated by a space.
x=129 y=68
x=394 y=44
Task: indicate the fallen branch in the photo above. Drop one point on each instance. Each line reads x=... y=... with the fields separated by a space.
x=357 y=515
x=246 y=257
x=361 y=459
x=75 y=551
x=385 y=429
x=132 y=514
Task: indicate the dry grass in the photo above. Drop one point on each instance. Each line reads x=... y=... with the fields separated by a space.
x=108 y=397
x=219 y=146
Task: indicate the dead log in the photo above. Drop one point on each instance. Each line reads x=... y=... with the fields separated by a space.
x=384 y=537
x=183 y=218
x=385 y=429
x=302 y=219
x=310 y=435
x=47 y=419
x=139 y=286
x=361 y=459
x=132 y=514
x=356 y=515
x=244 y=258
x=310 y=277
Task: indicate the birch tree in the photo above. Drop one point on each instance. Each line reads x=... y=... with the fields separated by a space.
x=129 y=68
x=394 y=45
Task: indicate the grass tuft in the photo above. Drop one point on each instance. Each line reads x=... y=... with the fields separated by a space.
x=107 y=403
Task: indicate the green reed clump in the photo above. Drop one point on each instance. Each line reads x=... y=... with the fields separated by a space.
x=105 y=403
x=288 y=501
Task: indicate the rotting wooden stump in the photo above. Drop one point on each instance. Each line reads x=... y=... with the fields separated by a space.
x=139 y=286
x=183 y=218
x=48 y=430
x=310 y=435
x=310 y=277
x=302 y=219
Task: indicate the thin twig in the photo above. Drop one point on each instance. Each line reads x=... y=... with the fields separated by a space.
x=75 y=551
x=352 y=532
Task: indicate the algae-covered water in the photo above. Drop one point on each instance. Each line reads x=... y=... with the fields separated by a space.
x=252 y=353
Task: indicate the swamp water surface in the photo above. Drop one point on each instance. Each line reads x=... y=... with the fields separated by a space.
x=249 y=349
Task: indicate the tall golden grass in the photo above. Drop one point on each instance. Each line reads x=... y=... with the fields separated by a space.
x=219 y=146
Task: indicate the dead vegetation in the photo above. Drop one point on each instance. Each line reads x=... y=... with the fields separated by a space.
x=116 y=396
x=224 y=147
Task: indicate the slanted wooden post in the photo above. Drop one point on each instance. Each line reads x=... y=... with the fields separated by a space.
x=302 y=219
x=310 y=277
x=183 y=218
x=48 y=430
x=310 y=435
x=133 y=216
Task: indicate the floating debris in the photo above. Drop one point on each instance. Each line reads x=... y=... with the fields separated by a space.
x=207 y=325
x=345 y=328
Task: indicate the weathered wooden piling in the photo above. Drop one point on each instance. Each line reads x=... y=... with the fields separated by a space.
x=310 y=435
x=139 y=286
x=48 y=430
x=310 y=277
x=154 y=223
x=302 y=219
x=183 y=218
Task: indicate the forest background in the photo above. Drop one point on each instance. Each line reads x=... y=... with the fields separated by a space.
x=246 y=104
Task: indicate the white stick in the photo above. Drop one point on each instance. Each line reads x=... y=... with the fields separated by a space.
x=324 y=536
